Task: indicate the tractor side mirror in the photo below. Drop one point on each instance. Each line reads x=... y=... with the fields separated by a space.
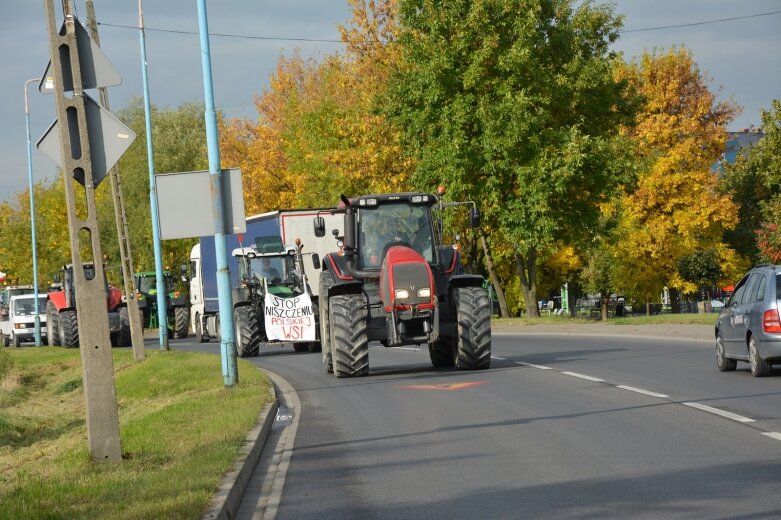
x=319 y=224
x=316 y=260
x=56 y=278
x=474 y=218
x=184 y=271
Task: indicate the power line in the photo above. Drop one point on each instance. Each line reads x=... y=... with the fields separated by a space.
x=246 y=37
x=319 y=40
x=700 y=23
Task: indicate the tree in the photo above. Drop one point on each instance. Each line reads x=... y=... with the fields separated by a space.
x=318 y=135
x=514 y=104
x=754 y=182
x=675 y=207
x=701 y=269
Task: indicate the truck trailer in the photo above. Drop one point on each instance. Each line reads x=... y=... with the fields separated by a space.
x=290 y=225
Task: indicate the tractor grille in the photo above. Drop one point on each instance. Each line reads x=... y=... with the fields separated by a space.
x=412 y=276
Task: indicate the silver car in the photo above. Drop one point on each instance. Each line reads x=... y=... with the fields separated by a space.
x=749 y=326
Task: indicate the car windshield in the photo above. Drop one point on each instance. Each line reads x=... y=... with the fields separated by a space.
x=389 y=224
x=26 y=306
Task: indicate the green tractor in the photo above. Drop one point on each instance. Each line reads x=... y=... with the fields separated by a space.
x=177 y=303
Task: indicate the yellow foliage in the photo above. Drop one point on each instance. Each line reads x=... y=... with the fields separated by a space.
x=675 y=208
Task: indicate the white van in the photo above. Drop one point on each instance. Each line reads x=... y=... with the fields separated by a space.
x=20 y=325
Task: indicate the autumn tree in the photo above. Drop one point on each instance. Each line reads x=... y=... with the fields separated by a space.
x=514 y=104
x=675 y=207
x=318 y=135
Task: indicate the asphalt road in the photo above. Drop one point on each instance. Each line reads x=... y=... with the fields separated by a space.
x=561 y=426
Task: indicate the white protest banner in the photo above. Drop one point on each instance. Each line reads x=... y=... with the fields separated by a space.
x=290 y=319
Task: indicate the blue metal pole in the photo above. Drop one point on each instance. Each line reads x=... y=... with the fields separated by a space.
x=32 y=213
x=227 y=344
x=162 y=311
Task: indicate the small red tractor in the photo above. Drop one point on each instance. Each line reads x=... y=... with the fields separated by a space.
x=392 y=281
x=62 y=323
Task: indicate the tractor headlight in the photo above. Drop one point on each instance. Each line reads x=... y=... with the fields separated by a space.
x=402 y=294
x=424 y=292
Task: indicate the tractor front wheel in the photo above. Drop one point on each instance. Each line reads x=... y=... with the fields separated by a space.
x=123 y=336
x=245 y=324
x=441 y=353
x=325 y=322
x=473 y=313
x=181 y=321
x=52 y=325
x=349 y=340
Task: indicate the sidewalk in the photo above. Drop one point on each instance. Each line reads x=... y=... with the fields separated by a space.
x=663 y=330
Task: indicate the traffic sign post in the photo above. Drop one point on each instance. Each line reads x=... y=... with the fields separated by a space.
x=83 y=157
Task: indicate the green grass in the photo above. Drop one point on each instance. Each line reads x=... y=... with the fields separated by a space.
x=683 y=319
x=180 y=430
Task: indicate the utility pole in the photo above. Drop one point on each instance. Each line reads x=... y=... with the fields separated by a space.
x=136 y=327
x=90 y=141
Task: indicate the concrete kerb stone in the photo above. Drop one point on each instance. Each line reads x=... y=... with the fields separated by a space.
x=227 y=498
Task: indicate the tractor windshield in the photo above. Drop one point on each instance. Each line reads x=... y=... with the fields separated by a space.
x=275 y=268
x=147 y=284
x=394 y=224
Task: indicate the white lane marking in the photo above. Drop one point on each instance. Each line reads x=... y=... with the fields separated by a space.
x=773 y=435
x=641 y=391
x=583 y=376
x=405 y=348
x=532 y=365
x=728 y=415
x=499 y=358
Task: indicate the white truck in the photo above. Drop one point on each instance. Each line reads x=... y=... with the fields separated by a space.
x=19 y=325
x=290 y=225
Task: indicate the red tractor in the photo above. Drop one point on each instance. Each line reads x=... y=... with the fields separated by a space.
x=392 y=281
x=62 y=324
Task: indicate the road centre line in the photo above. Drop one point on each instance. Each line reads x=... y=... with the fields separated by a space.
x=641 y=391
x=773 y=435
x=717 y=411
x=499 y=358
x=583 y=376
x=532 y=365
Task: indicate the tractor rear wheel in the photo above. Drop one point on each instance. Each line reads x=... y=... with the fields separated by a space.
x=349 y=341
x=245 y=323
x=52 y=325
x=325 y=322
x=69 y=329
x=473 y=313
x=181 y=322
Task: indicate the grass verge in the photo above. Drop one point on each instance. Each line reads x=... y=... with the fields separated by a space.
x=180 y=430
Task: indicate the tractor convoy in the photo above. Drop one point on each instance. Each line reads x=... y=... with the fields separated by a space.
x=385 y=276
x=393 y=281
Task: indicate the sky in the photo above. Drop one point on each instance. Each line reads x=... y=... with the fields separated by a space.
x=742 y=56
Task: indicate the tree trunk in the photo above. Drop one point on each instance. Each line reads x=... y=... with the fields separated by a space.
x=528 y=274
x=604 y=302
x=489 y=264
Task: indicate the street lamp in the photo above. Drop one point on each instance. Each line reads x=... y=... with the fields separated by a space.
x=32 y=212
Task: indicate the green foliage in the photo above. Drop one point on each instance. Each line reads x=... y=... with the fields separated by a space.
x=754 y=182
x=513 y=104
x=701 y=268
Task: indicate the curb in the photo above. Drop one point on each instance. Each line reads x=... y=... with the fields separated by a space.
x=227 y=498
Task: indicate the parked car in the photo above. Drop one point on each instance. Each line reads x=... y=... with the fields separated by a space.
x=749 y=326
x=20 y=326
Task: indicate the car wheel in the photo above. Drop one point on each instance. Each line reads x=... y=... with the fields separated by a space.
x=759 y=367
x=724 y=363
